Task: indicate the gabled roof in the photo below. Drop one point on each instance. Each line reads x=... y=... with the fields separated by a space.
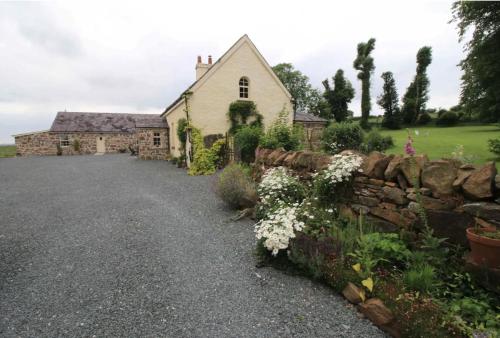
x=105 y=122
x=306 y=117
x=219 y=63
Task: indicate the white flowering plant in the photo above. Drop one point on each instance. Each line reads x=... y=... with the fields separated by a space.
x=278 y=186
x=276 y=231
x=332 y=184
x=318 y=219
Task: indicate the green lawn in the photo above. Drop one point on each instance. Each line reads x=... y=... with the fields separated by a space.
x=439 y=142
x=7 y=151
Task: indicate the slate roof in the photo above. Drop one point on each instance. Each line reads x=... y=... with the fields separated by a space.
x=305 y=117
x=105 y=122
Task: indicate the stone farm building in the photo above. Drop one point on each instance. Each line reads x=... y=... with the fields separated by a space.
x=240 y=74
x=98 y=133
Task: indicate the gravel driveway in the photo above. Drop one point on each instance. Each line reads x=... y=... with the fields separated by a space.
x=113 y=246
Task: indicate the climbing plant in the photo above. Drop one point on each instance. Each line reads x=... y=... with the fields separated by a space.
x=240 y=112
x=204 y=159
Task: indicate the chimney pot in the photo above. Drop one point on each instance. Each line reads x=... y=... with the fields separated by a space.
x=210 y=59
x=199 y=58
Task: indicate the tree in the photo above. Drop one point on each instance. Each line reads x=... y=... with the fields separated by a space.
x=305 y=99
x=388 y=101
x=339 y=97
x=417 y=93
x=481 y=66
x=318 y=105
x=364 y=64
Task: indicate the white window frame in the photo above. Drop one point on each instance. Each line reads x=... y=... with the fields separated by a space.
x=244 y=87
x=64 y=141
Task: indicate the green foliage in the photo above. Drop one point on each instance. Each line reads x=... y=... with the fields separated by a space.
x=339 y=97
x=318 y=218
x=246 y=140
x=494 y=146
x=364 y=64
x=305 y=97
x=417 y=93
x=281 y=135
x=388 y=101
x=181 y=131
x=341 y=136
x=481 y=66
x=235 y=187
x=204 y=159
x=76 y=145
x=240 y=112
x=447 y=119
x=374 y=141
x=473 y=315
x=421 y=278
x=384 y=247
x=424 y=119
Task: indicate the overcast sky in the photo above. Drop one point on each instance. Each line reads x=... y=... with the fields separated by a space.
x=139 y=56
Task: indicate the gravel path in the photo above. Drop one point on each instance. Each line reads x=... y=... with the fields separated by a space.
x=113 y=246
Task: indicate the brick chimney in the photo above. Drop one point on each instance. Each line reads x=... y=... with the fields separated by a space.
x=201 y=68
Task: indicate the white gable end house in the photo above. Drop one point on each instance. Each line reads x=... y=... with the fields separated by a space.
x=241 y=73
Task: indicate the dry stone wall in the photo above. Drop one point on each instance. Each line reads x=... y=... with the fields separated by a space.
x=455 y=195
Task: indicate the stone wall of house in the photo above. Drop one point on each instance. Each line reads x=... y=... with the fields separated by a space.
x=455 y=195
x=312 y=134
x=146 y=148
x=45 y=143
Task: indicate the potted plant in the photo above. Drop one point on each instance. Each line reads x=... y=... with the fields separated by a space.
x=485 y=246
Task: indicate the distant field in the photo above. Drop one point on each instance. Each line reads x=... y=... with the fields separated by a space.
x=439 y=142
x=7 y=151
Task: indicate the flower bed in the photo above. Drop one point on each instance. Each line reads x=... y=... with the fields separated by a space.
x=409 y=283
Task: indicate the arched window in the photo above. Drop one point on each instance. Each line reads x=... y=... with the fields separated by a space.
x=244 y=88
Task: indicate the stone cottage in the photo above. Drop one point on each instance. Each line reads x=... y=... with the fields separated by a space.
x=90 y=133
x=240 y=74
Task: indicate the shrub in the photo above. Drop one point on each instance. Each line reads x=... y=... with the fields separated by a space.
x=342 y=136
x=374 y=141
x=494 y=146
x=278 y=187
x=332 y=184
x=58 y=149
x=281 y=135
x=279 y=228
x=447 y=119
x=420 y=278
x=236 y=188
x=246 y=139
x=424 y=119
x=205 y=160
x=441 y=112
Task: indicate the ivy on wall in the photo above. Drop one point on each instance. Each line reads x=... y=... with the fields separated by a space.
x=240 y=112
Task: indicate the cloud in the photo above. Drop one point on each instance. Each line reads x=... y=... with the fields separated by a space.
x=134 y=57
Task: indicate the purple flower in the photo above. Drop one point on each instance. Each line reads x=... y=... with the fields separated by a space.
x=409 y=150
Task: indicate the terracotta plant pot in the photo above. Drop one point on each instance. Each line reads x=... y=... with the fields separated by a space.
x=484 y=251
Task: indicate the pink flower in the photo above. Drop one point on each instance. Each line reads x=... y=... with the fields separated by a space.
x=409 y=150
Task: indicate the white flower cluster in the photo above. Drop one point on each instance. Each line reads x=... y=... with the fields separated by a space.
x=334 y=147
x=275 y=183
x=279 y=228
x=342 y=167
